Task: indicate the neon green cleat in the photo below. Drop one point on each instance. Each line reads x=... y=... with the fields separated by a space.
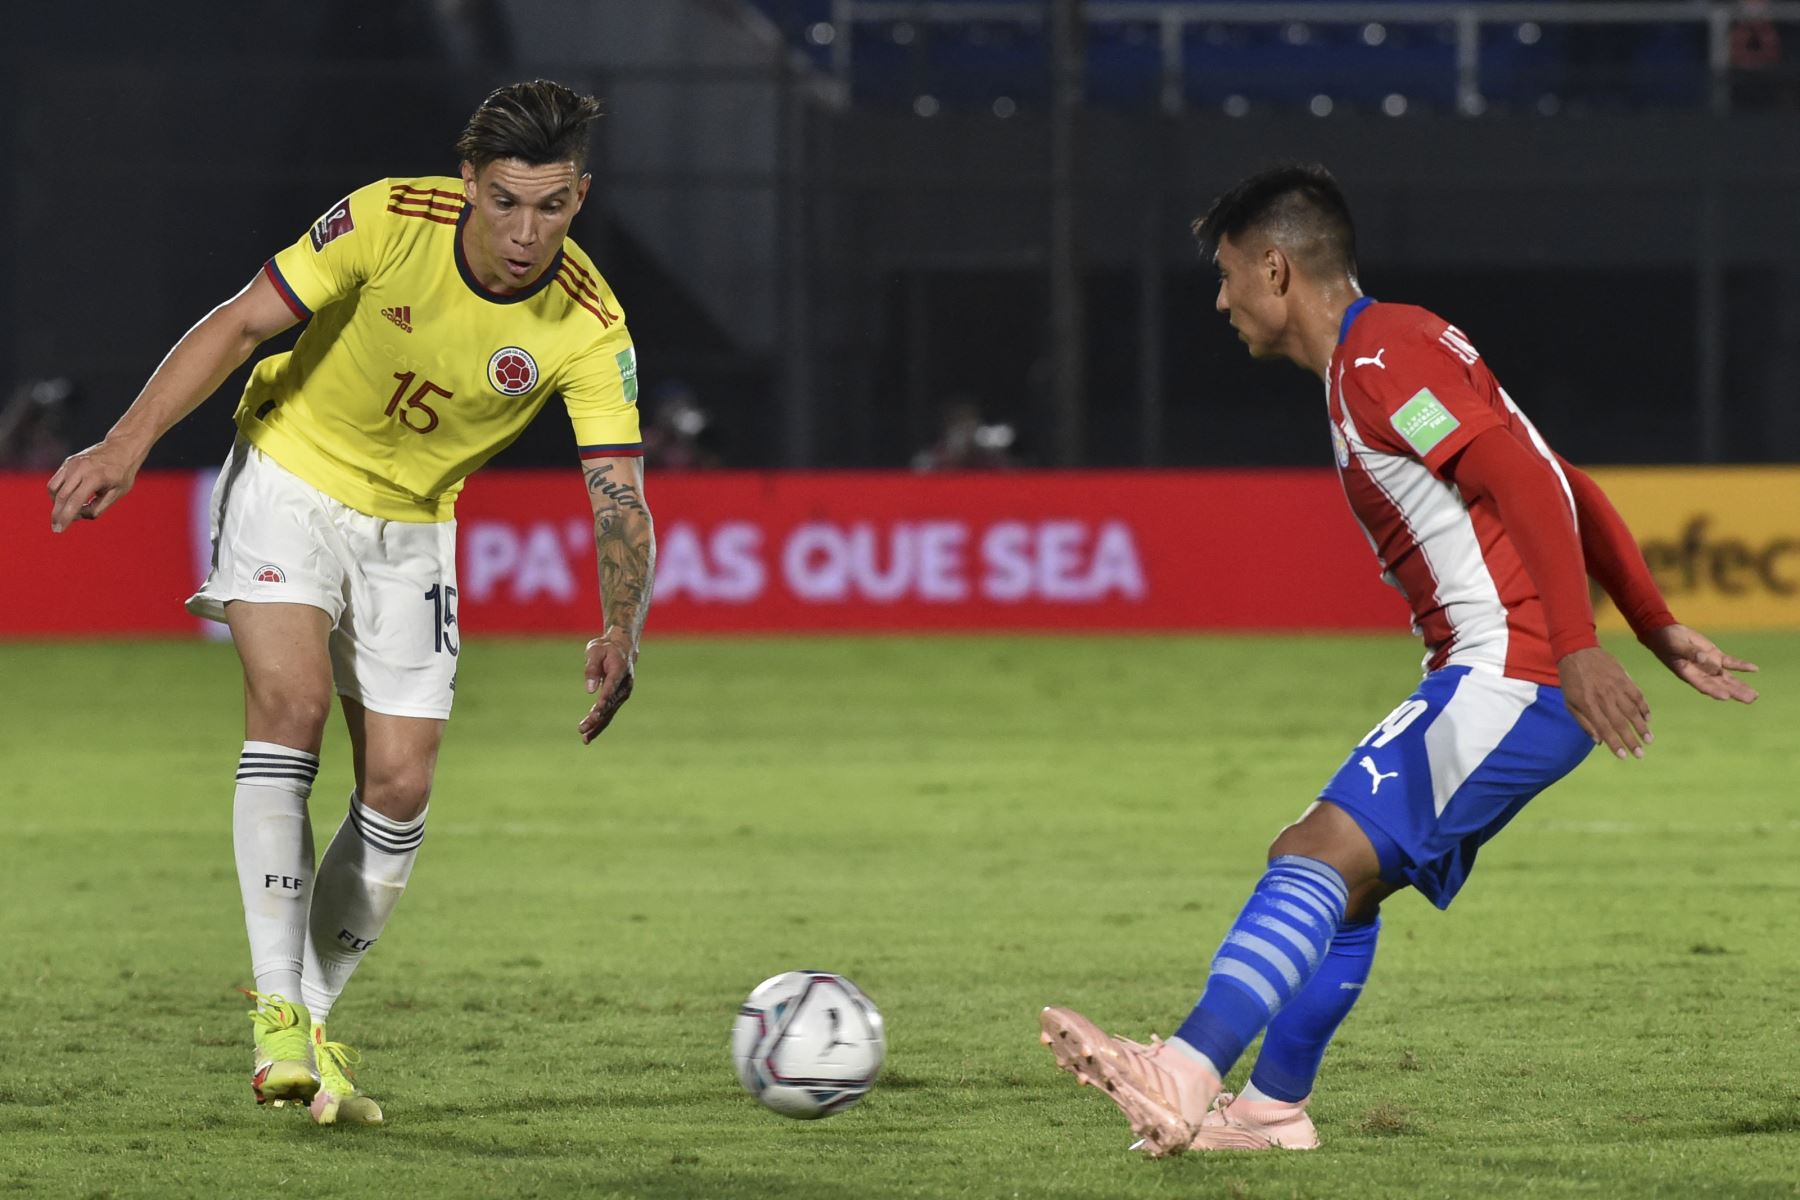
x=338 y=1102
x=284 y=1060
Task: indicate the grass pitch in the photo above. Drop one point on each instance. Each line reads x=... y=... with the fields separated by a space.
x=969 y=829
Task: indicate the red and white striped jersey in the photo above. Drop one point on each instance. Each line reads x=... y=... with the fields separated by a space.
x=1407 y=391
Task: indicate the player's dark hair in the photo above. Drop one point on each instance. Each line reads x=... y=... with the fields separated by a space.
x=537 y=122
x=1298 y=206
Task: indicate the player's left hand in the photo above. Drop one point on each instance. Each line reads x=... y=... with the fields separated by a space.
x=1605 y=702
x=611 y=659
x=1701 y=665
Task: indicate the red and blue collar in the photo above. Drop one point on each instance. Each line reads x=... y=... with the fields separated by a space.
x=481 y=289
x=1350 y=315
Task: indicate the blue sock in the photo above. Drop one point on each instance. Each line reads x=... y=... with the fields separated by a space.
x=1295 y=1044
x=1277 y=943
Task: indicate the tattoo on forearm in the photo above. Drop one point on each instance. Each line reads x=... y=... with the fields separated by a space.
x=622 y=494
x=625 y=548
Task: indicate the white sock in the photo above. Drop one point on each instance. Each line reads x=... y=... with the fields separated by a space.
x=360 y=880
x=274 y=846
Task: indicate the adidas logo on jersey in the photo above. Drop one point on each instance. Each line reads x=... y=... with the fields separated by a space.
x=401 y=316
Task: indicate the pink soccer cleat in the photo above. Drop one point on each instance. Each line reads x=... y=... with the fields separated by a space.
x=1237 y=1123
x=1164 y=1093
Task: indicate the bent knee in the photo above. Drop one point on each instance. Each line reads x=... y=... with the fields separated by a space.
x=400 y=793
x=1306 y=839
x=287 y=716
x=1329 y=835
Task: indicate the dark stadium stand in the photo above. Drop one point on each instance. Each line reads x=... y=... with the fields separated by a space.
x=1001 y=52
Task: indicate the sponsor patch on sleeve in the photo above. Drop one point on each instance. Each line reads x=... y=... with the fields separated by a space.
x=1423 y=422
x=627 y=359
x=333 y=225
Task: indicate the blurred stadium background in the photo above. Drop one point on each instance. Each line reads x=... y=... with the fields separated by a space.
x=832 y=217
x=912 y=236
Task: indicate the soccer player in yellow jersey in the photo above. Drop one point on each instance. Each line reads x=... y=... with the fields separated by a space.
x=442 y=313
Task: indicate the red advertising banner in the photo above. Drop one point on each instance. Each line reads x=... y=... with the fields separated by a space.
x=792 y=552
x=812 y=551
x=128 y=572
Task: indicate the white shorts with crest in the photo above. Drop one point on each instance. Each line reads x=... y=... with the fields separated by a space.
x=389 y=587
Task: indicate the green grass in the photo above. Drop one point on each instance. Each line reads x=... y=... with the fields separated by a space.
x=968 y=828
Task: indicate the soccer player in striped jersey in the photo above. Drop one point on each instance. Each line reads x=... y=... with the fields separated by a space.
x=1489 y=535
x=442 y=312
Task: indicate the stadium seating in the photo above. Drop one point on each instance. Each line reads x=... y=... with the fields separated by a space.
x=970 y=65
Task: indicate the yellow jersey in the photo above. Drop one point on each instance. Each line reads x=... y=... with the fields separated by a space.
x=411 y=374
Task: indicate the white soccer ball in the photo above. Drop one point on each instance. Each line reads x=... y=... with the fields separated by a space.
x=808 y=1044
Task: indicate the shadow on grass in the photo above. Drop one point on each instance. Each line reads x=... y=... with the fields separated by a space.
x=512 y=1106
x=900 y=1081
x=1786 y=1120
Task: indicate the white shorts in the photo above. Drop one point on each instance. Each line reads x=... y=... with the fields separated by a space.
x=389 y=587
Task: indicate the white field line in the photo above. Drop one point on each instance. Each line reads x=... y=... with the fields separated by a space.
x=1665 y=828
x=1605 y=828
x=537 y=829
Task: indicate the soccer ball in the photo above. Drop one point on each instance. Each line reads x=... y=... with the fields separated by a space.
x=808 y=1044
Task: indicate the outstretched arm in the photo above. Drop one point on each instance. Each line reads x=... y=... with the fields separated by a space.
x=93 y=480
x=1612 y=555
x=1616 y=563
x=625 y=547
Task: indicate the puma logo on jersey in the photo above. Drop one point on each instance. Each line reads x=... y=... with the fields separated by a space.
x=1375 y=777
x=401 y=316
x=1376 y=360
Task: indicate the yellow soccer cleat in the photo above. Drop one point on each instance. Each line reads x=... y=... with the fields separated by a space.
x=338 y=1102
x=284 y=1061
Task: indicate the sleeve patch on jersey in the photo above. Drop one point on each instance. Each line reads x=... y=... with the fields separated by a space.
x=333 y=225
x=1424 y=422
x=627 y=359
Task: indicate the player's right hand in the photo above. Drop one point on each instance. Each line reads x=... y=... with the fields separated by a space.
x=89 y=482
x=1604 y=700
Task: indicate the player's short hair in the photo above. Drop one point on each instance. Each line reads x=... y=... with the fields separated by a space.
x=537 y=122
x=1300 y=207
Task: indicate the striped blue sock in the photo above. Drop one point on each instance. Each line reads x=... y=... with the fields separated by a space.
x=1277 y=943
x=1291 y=1051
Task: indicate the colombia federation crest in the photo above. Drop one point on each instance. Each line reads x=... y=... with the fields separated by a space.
x=512 y=371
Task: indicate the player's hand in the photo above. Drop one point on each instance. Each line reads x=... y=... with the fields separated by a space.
x=90 y=482
x=610 y=662
x=1602 y=698
x=1700 y=664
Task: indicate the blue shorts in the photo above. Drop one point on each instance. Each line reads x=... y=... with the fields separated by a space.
x=1449 y=768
